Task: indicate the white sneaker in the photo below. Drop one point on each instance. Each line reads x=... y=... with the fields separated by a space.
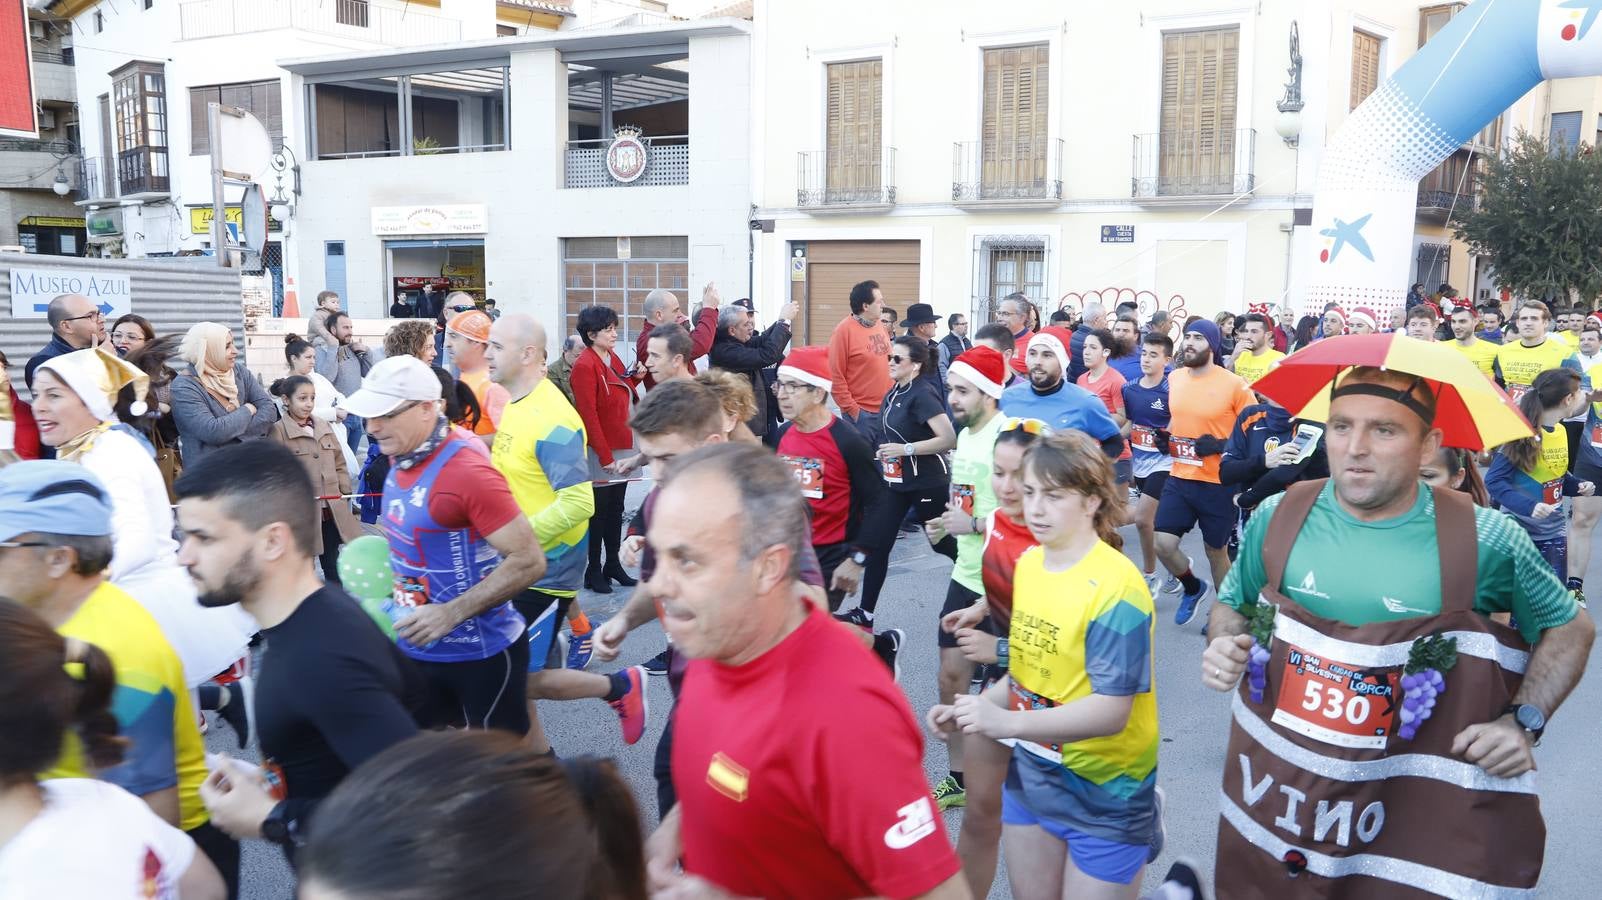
x=1172 y=585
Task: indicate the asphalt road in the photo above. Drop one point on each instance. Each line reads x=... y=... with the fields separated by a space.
x=1194 y=726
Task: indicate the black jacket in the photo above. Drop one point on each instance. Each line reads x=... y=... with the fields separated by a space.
x=56 y=347
x=749 y=358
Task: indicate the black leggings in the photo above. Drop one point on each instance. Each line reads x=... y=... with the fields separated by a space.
x=929 y=503
x=222 y=850
x=332 y=544
x=606 y=524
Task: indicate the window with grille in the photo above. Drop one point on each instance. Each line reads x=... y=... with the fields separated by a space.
x=1013 y=268
x=1434 y=265
x=593 y=274
x=351 y=12
x=854 y=111
x=1014 y=119
x=1200 y=78
x=1365 y=66
x=261 y=99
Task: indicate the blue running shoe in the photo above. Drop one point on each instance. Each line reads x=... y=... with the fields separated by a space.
x=1188 y=604
x=580 y=649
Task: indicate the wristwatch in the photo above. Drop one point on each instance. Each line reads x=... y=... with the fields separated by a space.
x=859 y=557
x=279 y=828
x=1003 y=651
x=908 y=450
x=1530 y=718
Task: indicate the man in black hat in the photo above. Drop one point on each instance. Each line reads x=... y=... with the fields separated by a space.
x=921 y=322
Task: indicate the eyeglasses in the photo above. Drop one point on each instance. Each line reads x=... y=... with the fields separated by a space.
x=898 y=360
x=789 y=387
x=97 y=314
x=1028 y=426
x=403 y=408
x=17 y=545
x=461 y=309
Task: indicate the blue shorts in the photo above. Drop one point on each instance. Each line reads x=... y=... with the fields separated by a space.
x=1186 y=503
x=1099 y=858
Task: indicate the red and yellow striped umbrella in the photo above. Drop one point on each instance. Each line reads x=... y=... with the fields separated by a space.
x=1471 y=411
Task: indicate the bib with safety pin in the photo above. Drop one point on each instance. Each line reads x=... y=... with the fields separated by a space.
x=1552 y=492
x=1335 y=702
x=1143 y=437
x=1183 y=450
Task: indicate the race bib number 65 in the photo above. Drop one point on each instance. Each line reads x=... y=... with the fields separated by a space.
x=1336 y=703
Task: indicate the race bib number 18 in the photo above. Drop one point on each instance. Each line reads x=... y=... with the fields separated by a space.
x=892 y=470
x=1143 y=437
x=1336 y=703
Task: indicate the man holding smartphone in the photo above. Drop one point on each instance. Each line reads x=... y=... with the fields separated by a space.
x=1268 y=451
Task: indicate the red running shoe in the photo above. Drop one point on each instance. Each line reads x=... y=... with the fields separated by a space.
x=632 y=708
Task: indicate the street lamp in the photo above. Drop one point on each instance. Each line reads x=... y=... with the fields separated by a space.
x=1289 y=123
x=61 y=187
x=284 y=161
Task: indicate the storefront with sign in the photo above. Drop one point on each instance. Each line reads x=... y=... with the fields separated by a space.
x=442 y=245
x=52 y=235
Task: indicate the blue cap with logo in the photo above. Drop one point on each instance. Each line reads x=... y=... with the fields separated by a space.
x=49 y=496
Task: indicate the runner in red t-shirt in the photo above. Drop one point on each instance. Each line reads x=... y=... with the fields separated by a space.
x=1107 y=384
x=976 y=628
x=775 y=696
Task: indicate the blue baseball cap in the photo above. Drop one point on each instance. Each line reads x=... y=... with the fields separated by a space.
x=48 y=496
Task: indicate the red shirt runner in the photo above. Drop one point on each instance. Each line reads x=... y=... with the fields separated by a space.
x=820 y=469
x=1005 y=541
x=777 y=795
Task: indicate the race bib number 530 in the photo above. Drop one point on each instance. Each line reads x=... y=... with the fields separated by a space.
x=1336 y=703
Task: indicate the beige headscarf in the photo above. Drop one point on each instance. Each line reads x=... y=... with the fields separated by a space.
x=206 y=348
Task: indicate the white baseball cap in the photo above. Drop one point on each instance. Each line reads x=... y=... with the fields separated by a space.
x=391 y=384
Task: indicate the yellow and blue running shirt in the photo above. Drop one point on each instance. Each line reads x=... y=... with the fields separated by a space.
x=151 y=703
x=539 y=447
x=1086 y=630
x=1517 y=365
x=1548 y=481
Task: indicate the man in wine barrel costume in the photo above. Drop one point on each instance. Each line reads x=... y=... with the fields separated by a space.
x=1382 y=739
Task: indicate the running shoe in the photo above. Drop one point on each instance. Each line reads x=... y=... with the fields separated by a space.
x=1159 y=835
x=632 y=707
x=949 y=794
x=857 y=616
x=1173 y=584
x=1188 y=604
x=1154 y=582
x=579 y=650
x=887 y=644
x=1182 y=874
x=656 y=665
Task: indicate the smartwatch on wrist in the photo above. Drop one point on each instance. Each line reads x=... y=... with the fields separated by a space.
x=279 y=828
x=1528 y=717
x=859 y=557
x=1003 y=648
x=908 y=450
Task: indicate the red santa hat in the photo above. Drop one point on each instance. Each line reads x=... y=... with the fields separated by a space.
x=1058 y=339
x=983 y=368
x=808 y=365
x=1364 y=316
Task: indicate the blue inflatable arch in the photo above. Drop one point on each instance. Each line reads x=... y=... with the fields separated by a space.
x=1486 y=58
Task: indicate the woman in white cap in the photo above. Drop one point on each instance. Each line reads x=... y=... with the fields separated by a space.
x=74 y=395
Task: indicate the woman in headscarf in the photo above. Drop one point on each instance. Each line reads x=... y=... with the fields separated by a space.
x=215 y=399
x=75 y=395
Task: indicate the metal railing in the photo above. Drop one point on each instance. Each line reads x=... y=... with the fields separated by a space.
x=667 y=162
x=1446 y=204
x=358 y=19
x=1197 y=163
x=24 y=145
x=62 y=57
x=1025 y=170
x=97 y=179
x=863 y=181
x=143 y=170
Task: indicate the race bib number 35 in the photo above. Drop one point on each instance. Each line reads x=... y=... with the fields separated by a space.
x=1336 y=703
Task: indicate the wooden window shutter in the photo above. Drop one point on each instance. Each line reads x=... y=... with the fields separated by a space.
x=854 y=110
x=1200 y=81
x=1365 y=66
x=1014 y=118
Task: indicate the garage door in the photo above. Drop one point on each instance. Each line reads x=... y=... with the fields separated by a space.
x=833 y=267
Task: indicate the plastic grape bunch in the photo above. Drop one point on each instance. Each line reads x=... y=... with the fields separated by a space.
x=1424 y=680
x=1260 y=625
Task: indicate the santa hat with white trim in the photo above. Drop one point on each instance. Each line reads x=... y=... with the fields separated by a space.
x=1057 y=338
x=982 y=367
x=808 y=365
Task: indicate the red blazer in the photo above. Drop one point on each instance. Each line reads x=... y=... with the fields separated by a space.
x=602 y=395
x=701 y=337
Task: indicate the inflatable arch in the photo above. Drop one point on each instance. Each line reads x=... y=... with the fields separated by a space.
x=1488 y=56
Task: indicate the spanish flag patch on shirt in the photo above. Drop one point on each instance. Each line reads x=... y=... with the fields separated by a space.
x=728 y=777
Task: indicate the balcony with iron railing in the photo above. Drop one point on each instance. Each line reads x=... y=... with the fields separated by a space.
x=847 y=183
x=1171 y=166
x=1005 y=175
x=97 y=180
x=364 y=20
x=1452 y=189
x=667 y=162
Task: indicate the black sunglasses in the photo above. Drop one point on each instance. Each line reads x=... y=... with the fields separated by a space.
x=898 y=359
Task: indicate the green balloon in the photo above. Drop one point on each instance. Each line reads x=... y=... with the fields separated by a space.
x=364 y=568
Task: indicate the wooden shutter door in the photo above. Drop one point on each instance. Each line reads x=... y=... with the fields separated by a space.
x=1196 y=150
x=1012 y=137
x=854 y=108
x=1365 y=66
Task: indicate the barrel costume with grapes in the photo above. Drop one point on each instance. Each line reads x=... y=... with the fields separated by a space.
x=1330 y=789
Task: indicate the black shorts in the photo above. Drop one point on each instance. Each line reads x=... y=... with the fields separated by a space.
x=1151 y=485
x=1187 y=503
x=544 y=651
x=1123 y=470
x=957 y=598
x=830 y=556
x=480 y=693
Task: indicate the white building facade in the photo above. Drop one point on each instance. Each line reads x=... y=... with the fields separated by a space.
x=544 y=172
x=1072 y=152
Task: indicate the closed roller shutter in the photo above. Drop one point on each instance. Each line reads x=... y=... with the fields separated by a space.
x=834 y=267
